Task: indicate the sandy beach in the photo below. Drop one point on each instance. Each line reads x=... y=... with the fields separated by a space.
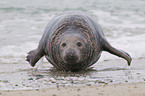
x=134 y=89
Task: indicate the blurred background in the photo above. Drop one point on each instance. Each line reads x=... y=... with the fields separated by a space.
x=22 y=23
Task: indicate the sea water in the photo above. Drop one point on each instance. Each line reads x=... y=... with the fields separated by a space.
x=22 y=23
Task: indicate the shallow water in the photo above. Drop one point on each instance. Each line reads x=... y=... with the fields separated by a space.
x=22 y=24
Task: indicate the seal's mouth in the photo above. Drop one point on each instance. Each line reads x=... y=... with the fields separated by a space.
x=72 y=62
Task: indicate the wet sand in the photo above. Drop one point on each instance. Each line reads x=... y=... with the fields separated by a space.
x=108 y=72
x=134 y=89
x=121 y=88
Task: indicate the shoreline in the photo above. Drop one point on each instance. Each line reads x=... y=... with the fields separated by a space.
x=127 y=89
x=108 y=73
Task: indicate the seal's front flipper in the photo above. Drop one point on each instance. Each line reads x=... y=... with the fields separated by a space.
x=33 y=57
x=120 y=53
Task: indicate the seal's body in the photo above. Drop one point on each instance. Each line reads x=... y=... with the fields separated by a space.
x=73 y=41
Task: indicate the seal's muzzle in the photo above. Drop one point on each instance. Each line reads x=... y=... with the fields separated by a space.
x=70 y=56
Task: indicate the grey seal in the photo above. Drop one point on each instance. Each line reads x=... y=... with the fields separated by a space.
x=73 y=41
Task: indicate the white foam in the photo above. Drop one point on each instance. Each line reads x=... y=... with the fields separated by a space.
x=134 y=45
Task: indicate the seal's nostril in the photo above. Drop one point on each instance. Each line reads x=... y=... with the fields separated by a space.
x=70 y=55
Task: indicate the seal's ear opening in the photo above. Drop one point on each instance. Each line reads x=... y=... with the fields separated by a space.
x=119 y=53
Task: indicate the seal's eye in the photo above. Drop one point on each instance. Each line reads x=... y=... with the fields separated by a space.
x=63 y=44
x=79 y=44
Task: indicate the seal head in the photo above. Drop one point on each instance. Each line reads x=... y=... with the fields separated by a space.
x=72 y=48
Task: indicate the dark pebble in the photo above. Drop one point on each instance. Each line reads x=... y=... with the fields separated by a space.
x=111 y=80
x=72 y=82
x=39 y=76
x=79 y=89
x=4 y=81
x=30 y=79
x=101 y=82
x=88 y=84
x=37 y=89
x=126 y=81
